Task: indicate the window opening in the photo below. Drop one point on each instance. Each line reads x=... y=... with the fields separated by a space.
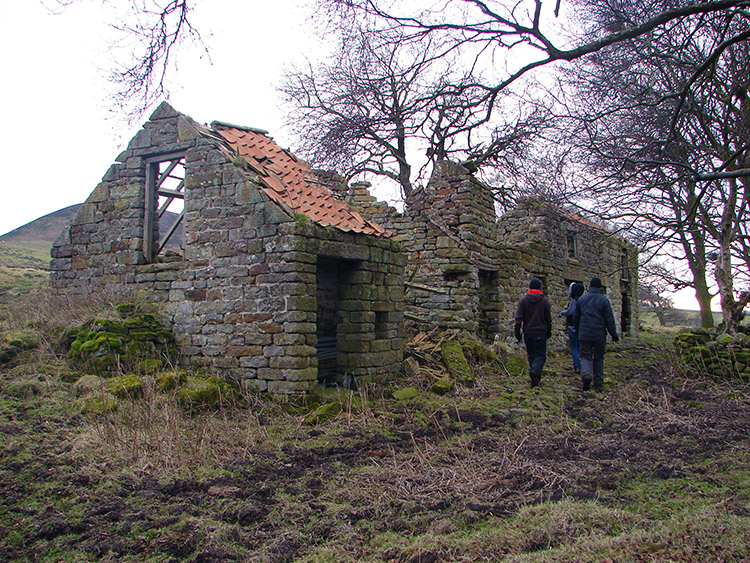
x=381 y=324
x=572 y=242
x=624 y=264
x=165 y=204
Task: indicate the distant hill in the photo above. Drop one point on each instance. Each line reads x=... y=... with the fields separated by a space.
x=38 y=236
x=43 y=231
x=25 y=251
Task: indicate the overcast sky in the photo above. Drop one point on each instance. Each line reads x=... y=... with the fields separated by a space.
x=60 y=133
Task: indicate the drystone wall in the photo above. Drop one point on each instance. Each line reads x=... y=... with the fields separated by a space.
x=466 y=270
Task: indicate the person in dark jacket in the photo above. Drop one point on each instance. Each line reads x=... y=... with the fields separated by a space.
x=534 y=318
x=575 y=290
x=594 y=319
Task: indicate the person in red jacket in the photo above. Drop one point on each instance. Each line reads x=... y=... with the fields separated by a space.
x=534 y=318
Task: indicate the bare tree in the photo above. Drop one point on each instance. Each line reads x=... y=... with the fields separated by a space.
x=385 y=106
x=150 y=32
x=654 y=290
x=500 y=31
x=666 y=139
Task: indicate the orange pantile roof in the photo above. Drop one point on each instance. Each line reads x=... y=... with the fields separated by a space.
x=291 y=182
x=581 y=219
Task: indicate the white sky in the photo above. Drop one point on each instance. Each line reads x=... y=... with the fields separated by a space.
x=60 y=133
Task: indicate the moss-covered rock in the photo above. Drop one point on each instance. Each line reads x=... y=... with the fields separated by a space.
x=475 y=350
x=202 y=392
x=442 y=386
x=456 y=363
x=724 y=356
x=167 y=381
x=103 y=345
x=125 y=387
x=405 y=394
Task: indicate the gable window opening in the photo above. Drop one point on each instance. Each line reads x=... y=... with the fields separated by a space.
x=164 y=205
x=572 y=242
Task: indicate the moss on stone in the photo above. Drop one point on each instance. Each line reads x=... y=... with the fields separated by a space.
x=125 y=387
x=167 y=381
x=201 y=392
x=455 y=361
x=475 y=349
x=442 y=386
x=405 y=394
x=105 y=344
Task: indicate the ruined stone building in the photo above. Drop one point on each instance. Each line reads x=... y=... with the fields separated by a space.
x=287 y=277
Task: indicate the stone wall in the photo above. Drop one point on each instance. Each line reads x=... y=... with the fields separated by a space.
x=466 y=269
x=539 y=233
x=455 y=266
x=242 y=296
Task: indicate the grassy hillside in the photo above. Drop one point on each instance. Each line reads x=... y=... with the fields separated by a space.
x=24 y=253
x=655 y=468
x=22 y=269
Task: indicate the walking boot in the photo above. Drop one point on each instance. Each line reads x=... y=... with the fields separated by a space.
x=535 y=378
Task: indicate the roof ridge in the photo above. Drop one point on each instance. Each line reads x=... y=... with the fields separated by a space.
x=227 y=125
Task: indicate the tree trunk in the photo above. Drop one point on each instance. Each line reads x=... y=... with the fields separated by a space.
x=704 y=297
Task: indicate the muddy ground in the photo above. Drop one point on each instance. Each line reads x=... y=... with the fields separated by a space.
x=423 y=480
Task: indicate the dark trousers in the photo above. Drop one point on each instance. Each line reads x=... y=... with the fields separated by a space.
x=592 y=360
x=573 y=340
x=536 y=351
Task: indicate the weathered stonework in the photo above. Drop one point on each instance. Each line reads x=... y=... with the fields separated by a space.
x=466 y=269
x=242 y=298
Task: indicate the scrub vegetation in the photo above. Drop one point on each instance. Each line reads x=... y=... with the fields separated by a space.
x=149 y=462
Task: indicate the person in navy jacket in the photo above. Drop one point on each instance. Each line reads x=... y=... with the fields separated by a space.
x=593 y=319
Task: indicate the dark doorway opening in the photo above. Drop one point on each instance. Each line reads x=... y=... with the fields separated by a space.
x=331 y=276
x=489 y=315
x=626 y=315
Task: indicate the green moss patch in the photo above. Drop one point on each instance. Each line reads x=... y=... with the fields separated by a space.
x=13 y=342
x=125 y=387
x=455 y=361
x=134 y=342
x=205 y=392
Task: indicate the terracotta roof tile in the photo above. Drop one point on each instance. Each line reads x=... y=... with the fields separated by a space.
x=291 y=182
